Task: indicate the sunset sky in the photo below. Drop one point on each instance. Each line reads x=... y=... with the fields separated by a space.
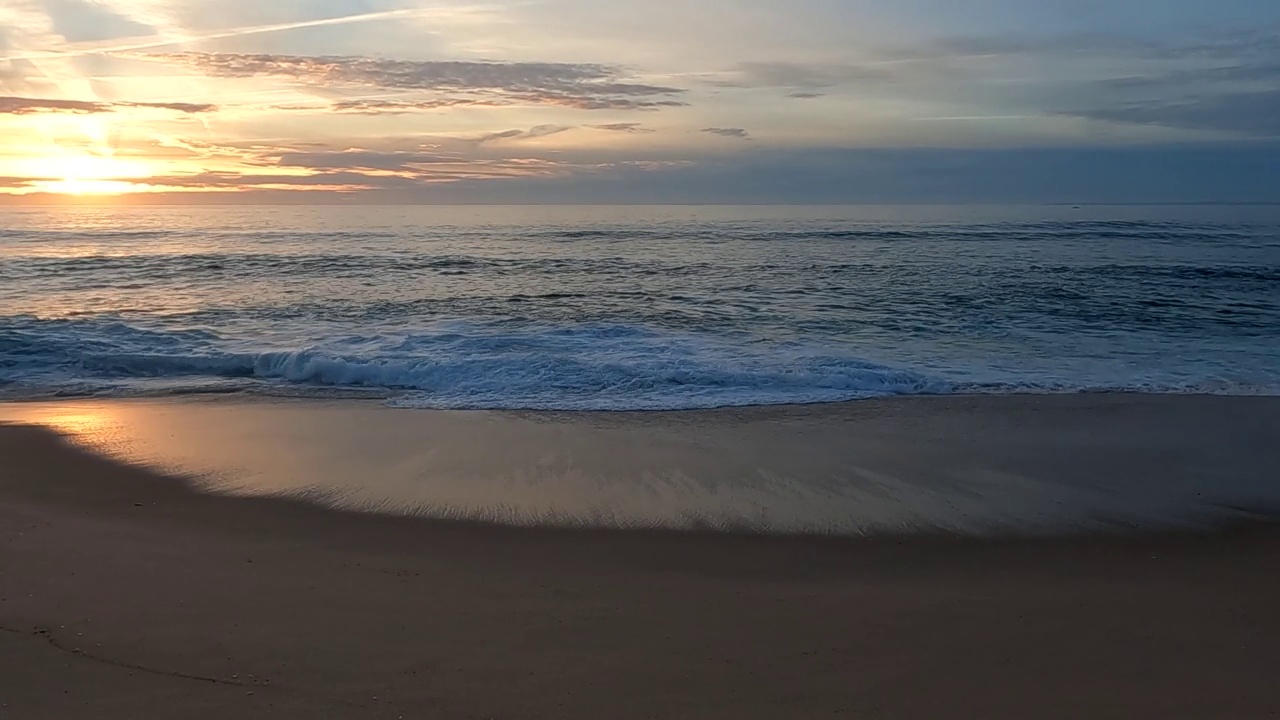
x=658 y=101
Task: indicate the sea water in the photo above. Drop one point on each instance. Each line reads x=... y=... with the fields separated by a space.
x=616 y=308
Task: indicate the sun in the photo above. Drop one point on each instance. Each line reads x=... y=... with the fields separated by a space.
x=91 y=174
x=76 y=186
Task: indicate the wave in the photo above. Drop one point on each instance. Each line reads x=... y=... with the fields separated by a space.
x=459 y=365
x=497 y=364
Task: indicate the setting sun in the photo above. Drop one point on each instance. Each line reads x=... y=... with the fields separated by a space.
x=86 y=174
x=76 y=186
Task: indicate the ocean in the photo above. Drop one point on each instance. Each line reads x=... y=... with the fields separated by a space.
x=637 y=308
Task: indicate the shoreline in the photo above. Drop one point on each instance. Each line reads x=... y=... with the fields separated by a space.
x=382 y=396
x=128 y=595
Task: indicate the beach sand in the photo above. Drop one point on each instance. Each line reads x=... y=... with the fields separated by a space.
x=126 y=594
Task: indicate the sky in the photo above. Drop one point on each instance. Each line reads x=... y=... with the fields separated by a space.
x=568 y=101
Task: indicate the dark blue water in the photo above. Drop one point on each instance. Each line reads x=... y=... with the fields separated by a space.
x=637 y=307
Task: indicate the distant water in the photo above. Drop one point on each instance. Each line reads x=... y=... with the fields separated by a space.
x=637 y=307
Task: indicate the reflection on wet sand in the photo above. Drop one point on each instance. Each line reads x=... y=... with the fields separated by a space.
x=1046 y=463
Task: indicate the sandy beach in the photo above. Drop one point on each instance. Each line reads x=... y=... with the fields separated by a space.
x=124 y=593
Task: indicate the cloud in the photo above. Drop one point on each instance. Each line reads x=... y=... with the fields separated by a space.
x=401 y=107
x=360 y=159
x=1222 y=83
x=1253 y=113
x=361 y=171
x=81 y=21
x=890 y=67
x=586 y=86
x=19 y=76
x=1238 y=94
x=623 y=127
x=189 y=108
x=145 y=39
x=1181 y=78
x=23 y=76
x=414 y=166
x=336 y=181
x=530 y=134
x=29 y=106
x=10 y=105
x=727 y=132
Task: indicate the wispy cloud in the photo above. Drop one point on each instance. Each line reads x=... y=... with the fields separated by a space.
x=623 y=127
x=152 y=42
x=29 y=106
x=400 y=107
x=585 y=86
x=361 y=159
x=1234 y=88
x=1249 y=113
x=728 y=132
x=530 y=134
x=1222 y=83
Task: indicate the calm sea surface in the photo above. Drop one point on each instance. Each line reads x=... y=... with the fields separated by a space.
x=637 y=307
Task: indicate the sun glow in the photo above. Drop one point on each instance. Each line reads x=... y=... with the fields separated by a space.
x=76 y=186
x=90 y=174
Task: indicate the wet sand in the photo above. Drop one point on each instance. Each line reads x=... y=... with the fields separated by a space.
x=124 y=594
x=973 y=465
